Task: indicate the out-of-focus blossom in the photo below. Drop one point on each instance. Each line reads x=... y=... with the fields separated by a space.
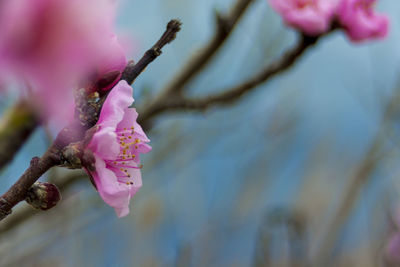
x=312 y=17
x=360 y=21
x=392 y=253
x=54 y=44
x=112 y=61
x=393 y=249
x=116 y=146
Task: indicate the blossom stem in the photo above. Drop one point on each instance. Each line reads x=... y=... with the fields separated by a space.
x=225 y=24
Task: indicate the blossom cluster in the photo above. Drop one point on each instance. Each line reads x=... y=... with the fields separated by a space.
x=51 y=48
x=315 y=17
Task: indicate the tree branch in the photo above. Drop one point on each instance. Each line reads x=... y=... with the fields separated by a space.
x=132 y=71
x=25 y=213
x=225 y=24
x=17 y=192
x=232 y=94
x=75 y=132
x=356 y=182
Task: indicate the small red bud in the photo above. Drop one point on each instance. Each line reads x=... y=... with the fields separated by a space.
x=43 y=196
x=107 y=79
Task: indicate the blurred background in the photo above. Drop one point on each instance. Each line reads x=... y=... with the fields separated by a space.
x=302 y=171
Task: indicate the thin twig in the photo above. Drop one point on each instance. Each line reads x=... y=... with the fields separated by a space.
x=225 y=26
x=350 y=196
x=355 y=184
x=132 y=71
x=17 y=191
x=232 y=94
x=25 y=213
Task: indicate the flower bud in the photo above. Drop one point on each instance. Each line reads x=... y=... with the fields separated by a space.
x=72 y=156
x=107 y=80
x=43 y=196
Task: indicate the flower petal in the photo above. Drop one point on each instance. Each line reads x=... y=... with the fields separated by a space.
x=119 y=99
x=310 y=17
x=360 y=20
x=105 y=144
x=114 y=193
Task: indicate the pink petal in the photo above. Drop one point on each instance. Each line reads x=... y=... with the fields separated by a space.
x=393 y=248
x=119 y=99
x=312 y=18
x=129 y=120
x=55 y=44
x=361 y=22
x=114 y=193
x=309 y=21
x=113 y=60
x=105 y=144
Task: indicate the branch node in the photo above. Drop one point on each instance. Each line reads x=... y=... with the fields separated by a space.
x=223 y=23
x=34 y=161
x=5 y=208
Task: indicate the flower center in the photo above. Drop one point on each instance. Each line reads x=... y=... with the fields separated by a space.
x=128 y=144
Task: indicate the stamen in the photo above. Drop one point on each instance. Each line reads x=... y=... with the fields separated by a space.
x=127 y=166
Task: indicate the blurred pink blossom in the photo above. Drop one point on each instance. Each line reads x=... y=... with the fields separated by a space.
x=393 y=246
x=111 y=61
x=360 y=21
x=53 y=45
x=116 y=146
x=312 y=17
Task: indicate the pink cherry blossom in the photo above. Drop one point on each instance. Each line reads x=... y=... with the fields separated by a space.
x=393 y=249
x=360 y=20
x=53 y=45
x=312 y=17
x=116 y=146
